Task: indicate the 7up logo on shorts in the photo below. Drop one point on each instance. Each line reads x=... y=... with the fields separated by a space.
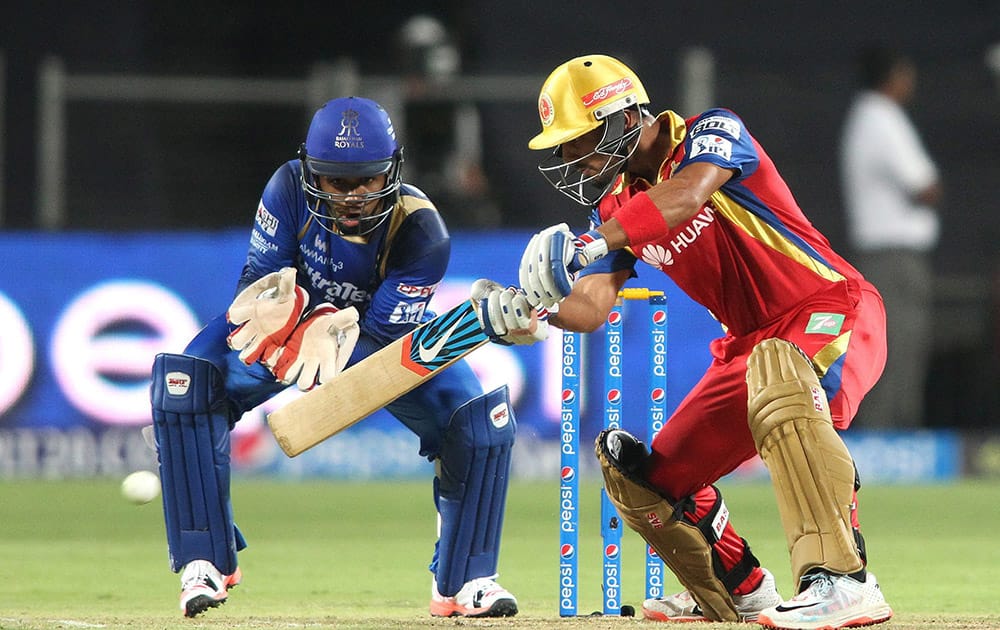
x=825 y=323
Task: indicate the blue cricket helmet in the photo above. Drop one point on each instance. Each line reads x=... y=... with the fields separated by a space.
x=351 y=138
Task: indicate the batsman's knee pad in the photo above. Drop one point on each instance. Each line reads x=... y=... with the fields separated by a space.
x=681 y=545
x=812 y=472
x=191 y=424
x=470 y=490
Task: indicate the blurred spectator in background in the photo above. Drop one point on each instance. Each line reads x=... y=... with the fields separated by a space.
x=445 y=134
x=890 y=187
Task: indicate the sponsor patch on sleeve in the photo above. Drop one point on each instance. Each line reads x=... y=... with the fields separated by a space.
x=712 y=144
x=267 y=221
x=407 y=313
x=412 y=290
x=721 y=124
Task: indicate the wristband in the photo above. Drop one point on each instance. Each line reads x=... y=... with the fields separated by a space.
x=591 y=247
x=641 y=220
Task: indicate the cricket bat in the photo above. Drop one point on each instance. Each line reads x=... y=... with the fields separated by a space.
x=381 y=378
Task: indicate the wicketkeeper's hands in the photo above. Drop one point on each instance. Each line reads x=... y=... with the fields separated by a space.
x=506 y=316
x=551 y=260
x=318 y=348
x=266 y=313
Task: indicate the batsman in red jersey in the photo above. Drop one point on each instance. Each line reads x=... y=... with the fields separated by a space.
x=700 y=200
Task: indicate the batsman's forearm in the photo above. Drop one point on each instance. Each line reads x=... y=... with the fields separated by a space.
x=614 y=234
x=650 y=215
x=577 y=315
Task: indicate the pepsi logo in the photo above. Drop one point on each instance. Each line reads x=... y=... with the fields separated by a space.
x=612 y=551
x=614 y=396
x=651 y=552
x=568 y=473
x=568 y=396
x=659 y=316
x=658 y=394
x=614 y=318
x=566 y=551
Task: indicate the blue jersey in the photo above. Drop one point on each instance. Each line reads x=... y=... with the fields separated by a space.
x=389 y=275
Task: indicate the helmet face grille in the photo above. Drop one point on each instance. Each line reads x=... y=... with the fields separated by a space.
x=325 y=205
x=616 y=145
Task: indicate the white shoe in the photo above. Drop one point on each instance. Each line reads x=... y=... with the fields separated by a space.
x=204 y=587
x=480 y=597
x=830 y=602
x=682 y=607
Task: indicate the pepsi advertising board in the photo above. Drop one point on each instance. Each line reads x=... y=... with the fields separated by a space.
x=83 y=314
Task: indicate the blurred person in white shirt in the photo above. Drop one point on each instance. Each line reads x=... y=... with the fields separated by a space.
x=891 y=187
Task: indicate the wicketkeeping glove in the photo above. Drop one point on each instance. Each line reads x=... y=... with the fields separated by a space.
x=318 y=349
x=551 y=260
x=506 y=316
x=266 y=313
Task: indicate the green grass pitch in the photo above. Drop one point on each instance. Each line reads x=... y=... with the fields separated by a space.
x=335 y=554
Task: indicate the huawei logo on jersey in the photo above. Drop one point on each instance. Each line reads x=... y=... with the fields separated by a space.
x=660 y=256
x=657 y=256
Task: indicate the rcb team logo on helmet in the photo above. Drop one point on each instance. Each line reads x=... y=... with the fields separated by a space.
x=580 y=94
x=545 y=111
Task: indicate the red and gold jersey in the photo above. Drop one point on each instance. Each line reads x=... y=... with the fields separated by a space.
x=749 y=255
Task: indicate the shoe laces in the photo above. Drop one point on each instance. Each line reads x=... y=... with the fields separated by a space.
x=820 y=585
x=200 y=579
x=483 y=587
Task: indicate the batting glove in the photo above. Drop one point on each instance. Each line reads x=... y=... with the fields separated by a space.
x=506 y=316
x=551 y=260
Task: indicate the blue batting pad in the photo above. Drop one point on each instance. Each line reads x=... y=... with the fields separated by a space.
x=470 y=490
x=192 y=435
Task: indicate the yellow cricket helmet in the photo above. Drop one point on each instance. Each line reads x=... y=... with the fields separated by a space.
x=580 y=94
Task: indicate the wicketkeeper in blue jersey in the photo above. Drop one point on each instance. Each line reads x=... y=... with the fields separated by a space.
x=343 y=258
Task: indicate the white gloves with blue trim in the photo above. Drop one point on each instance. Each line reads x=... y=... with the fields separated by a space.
x=506 y=316
x=551 y=260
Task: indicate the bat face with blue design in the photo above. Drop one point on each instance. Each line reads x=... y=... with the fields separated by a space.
x=364 y=388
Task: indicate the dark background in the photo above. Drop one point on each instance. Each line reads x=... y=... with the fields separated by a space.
x=786 y=67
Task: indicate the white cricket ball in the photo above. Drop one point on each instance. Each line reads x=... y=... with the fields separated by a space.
x=141 y=487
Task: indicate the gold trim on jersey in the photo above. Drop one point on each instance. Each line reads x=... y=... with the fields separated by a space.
x=407 y=205
x=831 y=353
x=678 y=130
x=767 y=234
